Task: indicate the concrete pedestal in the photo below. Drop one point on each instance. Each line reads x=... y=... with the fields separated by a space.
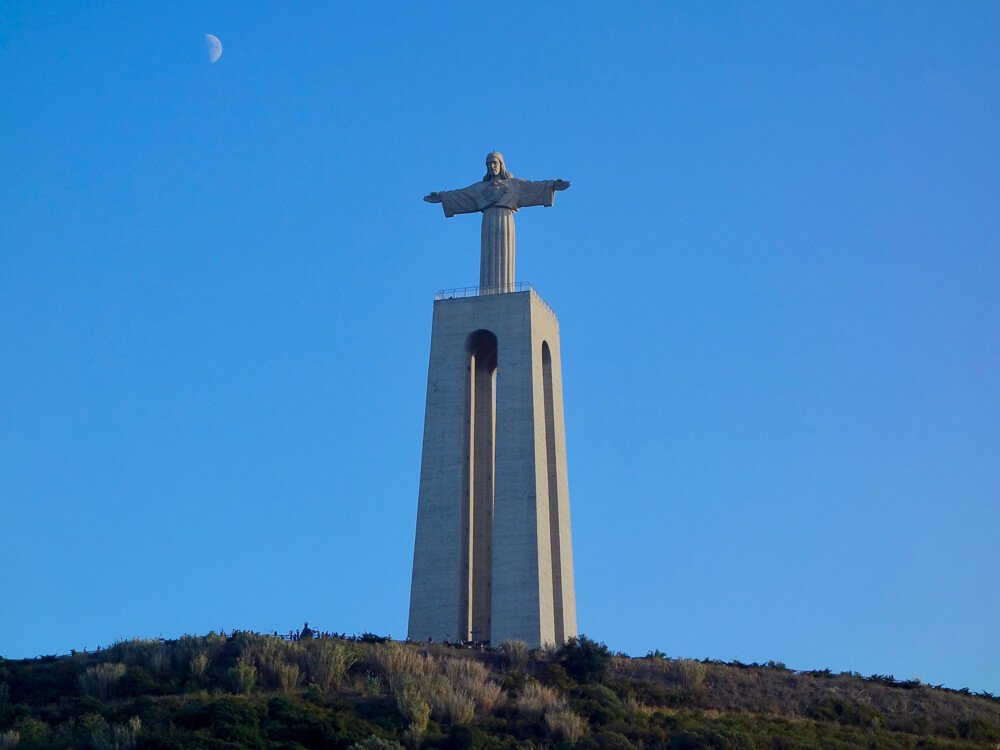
x=493 y=557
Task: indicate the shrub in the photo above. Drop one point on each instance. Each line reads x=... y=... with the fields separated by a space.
x=376 y=743
x=136 y=681
x=846 y=712
x=4 y=700
x=101 y=680
x=450 y=704
x=516 y=654
x=471 y=678
x=598 y=703
x=267 y=654
x=327 y=663
x=153 y=655
x=118 y=737
x=555 y=676
x=193 y=656
x=584 y=659
x=688 y=673
x=416 y=710
x=159 y=661
x=288 y=676
x=566 y=724
x=536 y=699
x=708 y=738
x=198 y=665
x=371 y=686
x=402 y=667
x=30 y=729
x=134 y=652
x=613 y=741
x=242 y=677
x=978 y=730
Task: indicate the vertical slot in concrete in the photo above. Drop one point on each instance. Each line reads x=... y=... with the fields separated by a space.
x=553 y=477
x=482 y=350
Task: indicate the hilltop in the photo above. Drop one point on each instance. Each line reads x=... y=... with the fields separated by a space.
x=249 y=690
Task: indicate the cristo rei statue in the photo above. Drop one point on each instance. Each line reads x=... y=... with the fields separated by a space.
x=499 y=195
x=493 y=550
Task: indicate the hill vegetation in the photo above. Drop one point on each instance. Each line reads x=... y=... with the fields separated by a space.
x=257 y=691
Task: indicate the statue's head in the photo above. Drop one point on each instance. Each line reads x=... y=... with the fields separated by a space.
x=495 y=168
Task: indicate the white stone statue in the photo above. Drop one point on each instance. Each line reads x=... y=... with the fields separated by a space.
x=499 y=195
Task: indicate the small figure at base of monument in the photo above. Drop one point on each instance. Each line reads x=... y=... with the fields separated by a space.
x=498 y=196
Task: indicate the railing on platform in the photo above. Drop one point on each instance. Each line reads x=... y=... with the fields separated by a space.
x=475 y=291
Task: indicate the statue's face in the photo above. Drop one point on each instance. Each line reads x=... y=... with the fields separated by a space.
x=493 y=166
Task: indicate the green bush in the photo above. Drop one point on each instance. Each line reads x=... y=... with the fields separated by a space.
x=584 y=659
x=101 y=680
x=613 y=741
x=555 y=676
x=30 y=729
x=417 y=711
x=242 y=677
x=597 y=703
x=376 y=743
x=712 y=738
x=846 y=712
x=4 y=701
x=238 y=720
x=978 y=730
x=137 y=681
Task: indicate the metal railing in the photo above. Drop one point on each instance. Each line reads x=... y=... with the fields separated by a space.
x=475 y=291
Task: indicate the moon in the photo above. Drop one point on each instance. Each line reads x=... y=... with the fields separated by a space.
x=214 y=47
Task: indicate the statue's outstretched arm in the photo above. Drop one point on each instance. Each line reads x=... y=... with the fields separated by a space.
x=453 y=202
x=560 y=184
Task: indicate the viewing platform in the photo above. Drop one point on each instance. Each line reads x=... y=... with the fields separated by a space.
x=475 y=291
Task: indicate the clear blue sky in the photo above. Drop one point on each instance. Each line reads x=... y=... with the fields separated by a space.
x=776 y=274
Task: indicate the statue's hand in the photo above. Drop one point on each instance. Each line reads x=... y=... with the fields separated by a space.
x=560 y=184
x=433 y=197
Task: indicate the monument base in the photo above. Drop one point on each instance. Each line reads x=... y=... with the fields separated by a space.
x=493 y=557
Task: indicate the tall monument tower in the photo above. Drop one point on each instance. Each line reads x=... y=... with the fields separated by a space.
x=493 y=557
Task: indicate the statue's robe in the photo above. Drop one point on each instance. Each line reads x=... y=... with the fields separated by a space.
x=498 y=200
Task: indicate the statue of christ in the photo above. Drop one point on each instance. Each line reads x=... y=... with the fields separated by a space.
x=499 y=195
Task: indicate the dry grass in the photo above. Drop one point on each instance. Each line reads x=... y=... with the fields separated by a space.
x=327 y=663
x=449 y=703
x=689 y=673
x=402 y=667
x=198 y=664
x=566 y=724
x=101 y=680
x=535 y=699
x=288 y=677
x=242 y=677
x=472 y=679
x=516 y=654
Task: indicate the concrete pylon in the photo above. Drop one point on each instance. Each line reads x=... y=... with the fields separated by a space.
x=493 y=557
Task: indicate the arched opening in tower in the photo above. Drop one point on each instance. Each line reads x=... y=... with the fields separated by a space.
x=477 y=554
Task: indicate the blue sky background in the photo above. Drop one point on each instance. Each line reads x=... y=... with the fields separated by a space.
x=776 y=275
